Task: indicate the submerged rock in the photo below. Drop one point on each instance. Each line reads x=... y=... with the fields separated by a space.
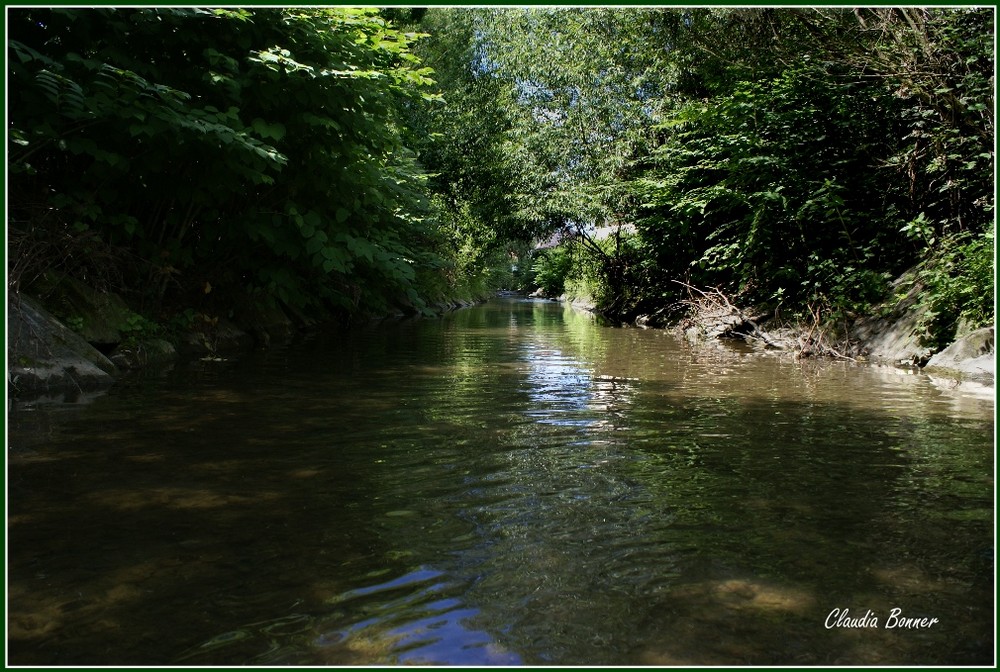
x=45 y=355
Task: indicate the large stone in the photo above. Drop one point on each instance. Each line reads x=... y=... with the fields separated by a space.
x=45 y=355
x=101 y=317
x=971 y=357
x=898 y=337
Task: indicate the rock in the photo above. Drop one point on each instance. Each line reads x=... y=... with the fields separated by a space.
x=45 y=355
x=971 y=357
x=447 y=306
x=151 y=352
x=579 y=302
x=898 y=337
x=214 y=337
x=101 y=316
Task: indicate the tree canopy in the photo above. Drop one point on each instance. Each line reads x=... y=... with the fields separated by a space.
x=797 y=158
x=357 y=159
x=252 y=148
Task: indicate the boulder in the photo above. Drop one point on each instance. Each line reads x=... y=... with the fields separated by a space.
x=100 y=317
x=971 y=357
x=45 y=355
x=897 y=337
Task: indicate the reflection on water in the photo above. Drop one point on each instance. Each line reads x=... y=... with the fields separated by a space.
x=510 y=484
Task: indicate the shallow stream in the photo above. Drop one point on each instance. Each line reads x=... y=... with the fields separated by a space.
x=509 y=484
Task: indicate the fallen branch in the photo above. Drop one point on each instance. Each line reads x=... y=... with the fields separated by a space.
x=809 y=345
x=720 y=301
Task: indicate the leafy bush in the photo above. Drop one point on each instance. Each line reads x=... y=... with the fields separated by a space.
x=551 y=267
x=255 y=149
x=959 y=285
x=769 y=192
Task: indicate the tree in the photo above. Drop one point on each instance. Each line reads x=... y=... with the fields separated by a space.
x=258 y=150
x=801 y=179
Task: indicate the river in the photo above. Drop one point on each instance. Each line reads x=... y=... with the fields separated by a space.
x=509 y=484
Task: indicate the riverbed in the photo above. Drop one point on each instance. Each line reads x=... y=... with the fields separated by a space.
x=513 y=483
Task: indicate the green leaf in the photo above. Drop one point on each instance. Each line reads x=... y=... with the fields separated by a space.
x=313 y=219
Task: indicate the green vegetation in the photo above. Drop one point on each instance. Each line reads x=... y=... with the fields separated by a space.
x=551 y=268
x=797 y=159
x=353 y=161
x=183 y=155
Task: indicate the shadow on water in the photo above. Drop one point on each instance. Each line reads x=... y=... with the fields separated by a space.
x=509 y=485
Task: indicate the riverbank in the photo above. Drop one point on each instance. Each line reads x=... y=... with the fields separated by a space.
x=968 y=362
x=79 y=340
x=105 y=340
x=892 y=336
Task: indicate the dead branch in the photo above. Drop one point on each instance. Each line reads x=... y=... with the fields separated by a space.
x=720 y=302
x=816 y=342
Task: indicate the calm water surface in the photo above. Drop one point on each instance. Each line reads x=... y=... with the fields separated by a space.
x=510 y=484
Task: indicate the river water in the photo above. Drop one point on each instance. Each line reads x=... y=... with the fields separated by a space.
x=509 y=484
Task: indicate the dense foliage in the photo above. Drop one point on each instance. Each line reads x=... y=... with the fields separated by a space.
x=772 y=191
x=258 y=151
x=798 y=159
